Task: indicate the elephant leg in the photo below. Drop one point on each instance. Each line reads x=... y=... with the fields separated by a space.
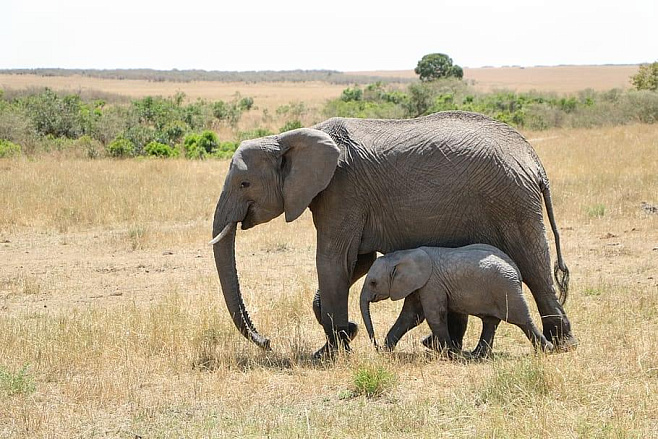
x=334 y=276
x=440 y=338
x=411 y=316
x=457 y=324
x=533 y=259
x=483 y=349
x=363 y=264
x=537 y=338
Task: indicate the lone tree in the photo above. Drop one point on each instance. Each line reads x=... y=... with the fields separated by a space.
x=436 y=66
x=647 y=77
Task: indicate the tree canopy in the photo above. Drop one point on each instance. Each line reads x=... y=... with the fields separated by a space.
x=437 y=65
x=647 y=77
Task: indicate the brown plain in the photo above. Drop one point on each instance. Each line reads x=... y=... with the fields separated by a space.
x=559 y=79
x=109 y=295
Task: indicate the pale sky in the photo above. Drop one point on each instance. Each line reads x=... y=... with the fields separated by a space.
x=333 y=34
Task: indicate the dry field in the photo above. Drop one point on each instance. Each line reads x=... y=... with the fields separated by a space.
x=266 y=95
x=112 y=325
x=560 y=79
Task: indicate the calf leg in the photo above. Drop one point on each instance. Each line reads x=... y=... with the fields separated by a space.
x=411 y=316
x=484 y=346
x=536 y=337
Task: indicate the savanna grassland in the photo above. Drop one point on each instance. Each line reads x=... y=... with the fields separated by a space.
x=112 y=323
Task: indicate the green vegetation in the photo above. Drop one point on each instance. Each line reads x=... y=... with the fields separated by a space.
x=9 y=149
x=121 y=147
x=199 y=146
x=43 y=120
x=437 y=66
x=372 y=381
x=646 y=78
x=16 y=383
x=531 y=110
x=162 y=150
x=92 y=124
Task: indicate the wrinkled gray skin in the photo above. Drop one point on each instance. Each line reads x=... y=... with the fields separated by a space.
x=444 y=180
x=477 y=280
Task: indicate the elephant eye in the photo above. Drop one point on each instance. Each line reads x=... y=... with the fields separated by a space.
x=244 y=185
x=373 y=283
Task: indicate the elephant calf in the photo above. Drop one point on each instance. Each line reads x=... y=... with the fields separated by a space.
x=477 y=280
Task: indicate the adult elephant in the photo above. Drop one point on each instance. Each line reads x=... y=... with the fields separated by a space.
x=447 y=180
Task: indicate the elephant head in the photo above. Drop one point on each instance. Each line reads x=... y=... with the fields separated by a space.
x=395 y=275
x=267 y=177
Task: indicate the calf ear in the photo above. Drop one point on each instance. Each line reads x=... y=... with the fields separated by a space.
x=411 y=271
x=310 y=158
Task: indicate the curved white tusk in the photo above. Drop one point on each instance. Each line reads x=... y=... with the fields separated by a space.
x=222 y=234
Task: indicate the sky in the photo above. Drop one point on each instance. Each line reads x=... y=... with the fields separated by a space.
x=342 y=35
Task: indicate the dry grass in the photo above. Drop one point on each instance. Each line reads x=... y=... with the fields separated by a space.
x=266 y=94
x=561 y=79
x=111 y=324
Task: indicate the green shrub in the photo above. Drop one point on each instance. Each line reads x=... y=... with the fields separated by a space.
x=220 y=110
x=290 y=125
x=120 y=148
x=172 y=132
x=226 y=150
x=157 y=149
x=351 y=94
x=245 y=104
x=9 y=149
x=646 y=78
x=16 y=383
x=372 y=381
x=198 y=146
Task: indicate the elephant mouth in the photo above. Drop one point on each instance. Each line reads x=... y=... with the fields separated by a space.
x=248 y=221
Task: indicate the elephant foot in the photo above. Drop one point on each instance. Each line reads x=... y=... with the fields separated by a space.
x=557 y=329
x=564 y=344
x=341 y=338
x=482 y=351
x=434 y=344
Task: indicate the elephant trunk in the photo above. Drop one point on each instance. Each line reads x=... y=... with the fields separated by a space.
x=224 y=252
x=367 y=319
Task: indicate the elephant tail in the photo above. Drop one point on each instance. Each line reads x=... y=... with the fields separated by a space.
x=560 y=269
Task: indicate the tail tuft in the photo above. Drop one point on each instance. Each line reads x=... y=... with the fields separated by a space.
x=561 y=275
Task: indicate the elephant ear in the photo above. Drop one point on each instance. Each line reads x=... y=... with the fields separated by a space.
x=411 y=271
x=308 y=160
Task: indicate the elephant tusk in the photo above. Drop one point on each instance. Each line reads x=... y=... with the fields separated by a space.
x=222 y=234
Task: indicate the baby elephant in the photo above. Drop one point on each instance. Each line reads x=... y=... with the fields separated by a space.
x=477 y=280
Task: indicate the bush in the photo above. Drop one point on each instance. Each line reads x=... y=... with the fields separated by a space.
x=646 y=78
x=372 y=380
x=226 y=150
x=198 y=146
x=9 y=149
x=157 y=149
x=352 y=95
x=120 y=148
x=290 y=125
